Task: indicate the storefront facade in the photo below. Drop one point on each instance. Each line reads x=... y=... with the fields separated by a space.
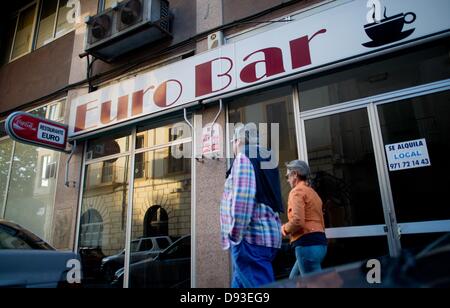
x=363 y=96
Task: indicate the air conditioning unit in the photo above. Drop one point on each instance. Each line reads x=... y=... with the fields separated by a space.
x=127 y=26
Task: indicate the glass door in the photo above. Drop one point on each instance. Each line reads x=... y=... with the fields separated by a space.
x=340 y=152
x=415 y=133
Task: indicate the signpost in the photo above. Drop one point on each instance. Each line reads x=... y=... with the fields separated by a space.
x=26 y=128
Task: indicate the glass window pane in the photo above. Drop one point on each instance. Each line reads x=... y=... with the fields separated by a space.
x=109 y=3
x=6 y=45
x=162 y=212
x=40 y=112
x=5 y=163
x=420 y=193
x=3 y=130
x=150 y=136
x=62 y=25
x=347 y=250
x=24 y=33
x=271 y=107
x=342 y=163
x=415 y=67
x=109 y=145
x=46 y=22
x=30 y=203
x=103 y=221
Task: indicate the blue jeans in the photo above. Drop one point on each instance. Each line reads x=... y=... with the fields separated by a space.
x=252 y=265
x=309 y=259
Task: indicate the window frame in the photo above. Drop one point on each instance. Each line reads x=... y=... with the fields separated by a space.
x=55 y=35
x=16 y=15
x=35 y=29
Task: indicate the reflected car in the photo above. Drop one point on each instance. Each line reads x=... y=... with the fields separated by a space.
x=141 y=249
x=27 y=261
x=171 y=268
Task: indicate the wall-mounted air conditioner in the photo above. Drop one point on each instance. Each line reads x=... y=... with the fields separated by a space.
x=127 y=26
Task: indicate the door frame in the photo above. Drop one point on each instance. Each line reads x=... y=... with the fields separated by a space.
x=391 y=228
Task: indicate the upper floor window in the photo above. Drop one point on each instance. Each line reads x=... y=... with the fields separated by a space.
x=106 y=4
x=23 y=33
x=35 y=25
x=53 y=21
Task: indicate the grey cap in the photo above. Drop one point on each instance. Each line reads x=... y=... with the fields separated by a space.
x=299 y=166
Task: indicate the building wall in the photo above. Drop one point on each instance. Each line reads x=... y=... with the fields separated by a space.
x=212 y=263
x=36 y=75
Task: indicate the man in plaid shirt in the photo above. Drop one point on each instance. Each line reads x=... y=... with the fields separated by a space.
x=250 y=223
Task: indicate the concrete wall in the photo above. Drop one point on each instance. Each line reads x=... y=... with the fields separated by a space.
x=36 y=75
x=213 y=264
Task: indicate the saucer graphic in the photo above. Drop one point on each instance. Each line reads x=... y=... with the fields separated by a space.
x=389 y=29
x=400 y=37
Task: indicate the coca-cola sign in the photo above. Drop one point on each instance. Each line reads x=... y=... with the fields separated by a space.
x=26 y=128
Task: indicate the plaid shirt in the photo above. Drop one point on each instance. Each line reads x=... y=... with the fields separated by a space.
x=240 y=216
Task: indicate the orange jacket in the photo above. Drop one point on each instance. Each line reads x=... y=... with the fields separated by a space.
x=304 y=212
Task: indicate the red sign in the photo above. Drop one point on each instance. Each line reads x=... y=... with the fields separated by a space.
x=27 y=128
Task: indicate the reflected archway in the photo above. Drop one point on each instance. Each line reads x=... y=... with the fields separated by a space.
x=156 y=222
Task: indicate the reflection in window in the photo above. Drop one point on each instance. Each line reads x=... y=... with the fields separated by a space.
x=175 y=164
x=162 y=135
x=24 y=32
x=425 y=117
x=32 y=181
x=107 y=146
x=110 y=172
x=109 y=4
x=162 y=209
x=46 y=22
x=342 y=163
x=31 y=193
x=347 y=250
x=109 y=200
x=156 y=222
x=139 y=163
x=272 y=107
x=48 y=170
x=5 y=163
x=410 y=68
x=62 y=24
x=91 y=228
x=9 y=39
